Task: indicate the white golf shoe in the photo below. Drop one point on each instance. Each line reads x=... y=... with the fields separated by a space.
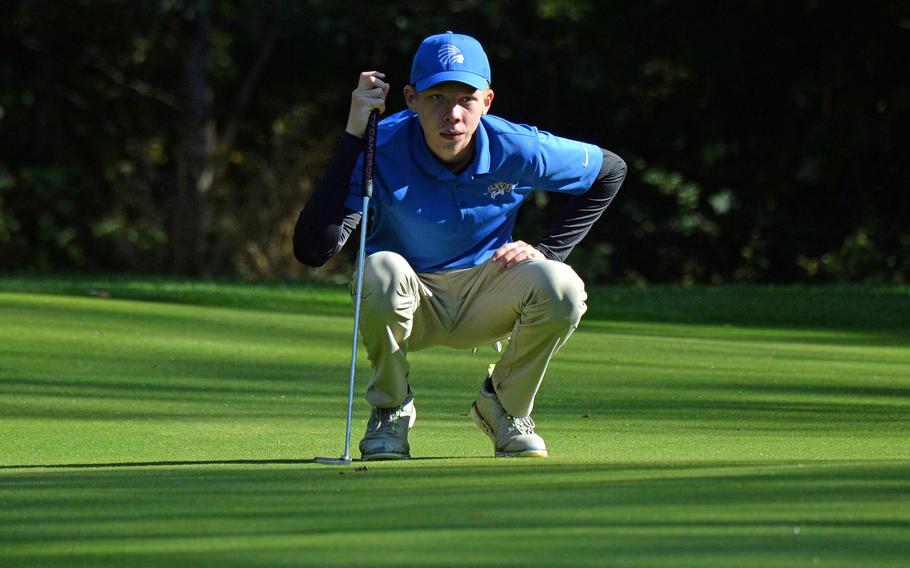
x=512 y=436
x=386 y=437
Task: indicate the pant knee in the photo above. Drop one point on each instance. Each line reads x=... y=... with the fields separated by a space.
x=387 y=283
x=559 y=288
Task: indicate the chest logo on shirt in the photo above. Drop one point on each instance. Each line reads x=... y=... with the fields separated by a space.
x=494 y=190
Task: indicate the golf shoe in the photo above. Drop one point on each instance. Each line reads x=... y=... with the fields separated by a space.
x=386 y=437
x=512 y=436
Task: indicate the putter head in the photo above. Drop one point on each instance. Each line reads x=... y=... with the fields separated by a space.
x=333 y=461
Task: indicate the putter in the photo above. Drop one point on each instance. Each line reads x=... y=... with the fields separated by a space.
x=368 y=157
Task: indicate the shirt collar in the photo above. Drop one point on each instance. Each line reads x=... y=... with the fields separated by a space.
x=481 y=163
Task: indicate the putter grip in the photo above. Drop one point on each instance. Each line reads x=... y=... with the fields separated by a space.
x=369 y=154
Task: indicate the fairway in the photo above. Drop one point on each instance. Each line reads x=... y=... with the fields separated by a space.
x=153 y=422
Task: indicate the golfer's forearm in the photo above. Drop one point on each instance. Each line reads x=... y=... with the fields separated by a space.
x=325 y=224
x=318 y=243
x=584 y=210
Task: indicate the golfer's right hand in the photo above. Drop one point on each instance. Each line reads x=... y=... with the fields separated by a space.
x=370 y=93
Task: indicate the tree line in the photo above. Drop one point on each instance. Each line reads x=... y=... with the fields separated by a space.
x=766 y=140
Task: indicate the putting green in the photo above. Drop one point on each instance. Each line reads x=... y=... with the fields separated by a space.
x=166 y=423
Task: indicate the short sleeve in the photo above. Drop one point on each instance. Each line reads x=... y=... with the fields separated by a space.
x=565 y=165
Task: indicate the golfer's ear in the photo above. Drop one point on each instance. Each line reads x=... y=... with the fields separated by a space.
x=487 y=99
x=409 y=95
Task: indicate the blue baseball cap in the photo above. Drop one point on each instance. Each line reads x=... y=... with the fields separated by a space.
x=450 y=57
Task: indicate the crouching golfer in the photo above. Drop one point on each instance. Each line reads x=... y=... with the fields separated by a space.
x=442 y=267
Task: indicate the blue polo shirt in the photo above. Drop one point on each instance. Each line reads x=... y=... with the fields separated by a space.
x=438 y=220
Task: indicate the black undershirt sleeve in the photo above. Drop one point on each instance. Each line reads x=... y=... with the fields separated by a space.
x=325 y=224
x=583 y=210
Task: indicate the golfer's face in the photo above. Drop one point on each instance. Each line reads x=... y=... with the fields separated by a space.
x=449 y=114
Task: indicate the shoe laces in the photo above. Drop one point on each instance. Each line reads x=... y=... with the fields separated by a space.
x=524 y=425
x=388 y=419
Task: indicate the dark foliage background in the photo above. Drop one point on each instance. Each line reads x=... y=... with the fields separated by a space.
x=767 y=140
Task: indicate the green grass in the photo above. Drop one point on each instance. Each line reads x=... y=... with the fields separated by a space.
x=157 y=422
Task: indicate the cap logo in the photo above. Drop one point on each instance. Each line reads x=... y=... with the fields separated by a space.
x=449 y=54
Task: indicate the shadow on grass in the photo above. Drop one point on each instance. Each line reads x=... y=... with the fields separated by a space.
x=115 y=384
x=284 y=297
x=191 y=463
x=848 y=513
x=885 y=310
x=151 y=464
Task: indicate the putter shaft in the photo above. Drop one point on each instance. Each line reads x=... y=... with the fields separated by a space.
x=368 y=157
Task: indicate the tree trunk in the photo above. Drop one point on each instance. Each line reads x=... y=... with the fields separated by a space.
x=191 y=214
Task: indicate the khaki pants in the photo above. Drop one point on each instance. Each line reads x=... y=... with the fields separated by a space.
x=537 y=303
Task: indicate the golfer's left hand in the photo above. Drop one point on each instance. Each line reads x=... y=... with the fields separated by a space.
x=511 y=254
